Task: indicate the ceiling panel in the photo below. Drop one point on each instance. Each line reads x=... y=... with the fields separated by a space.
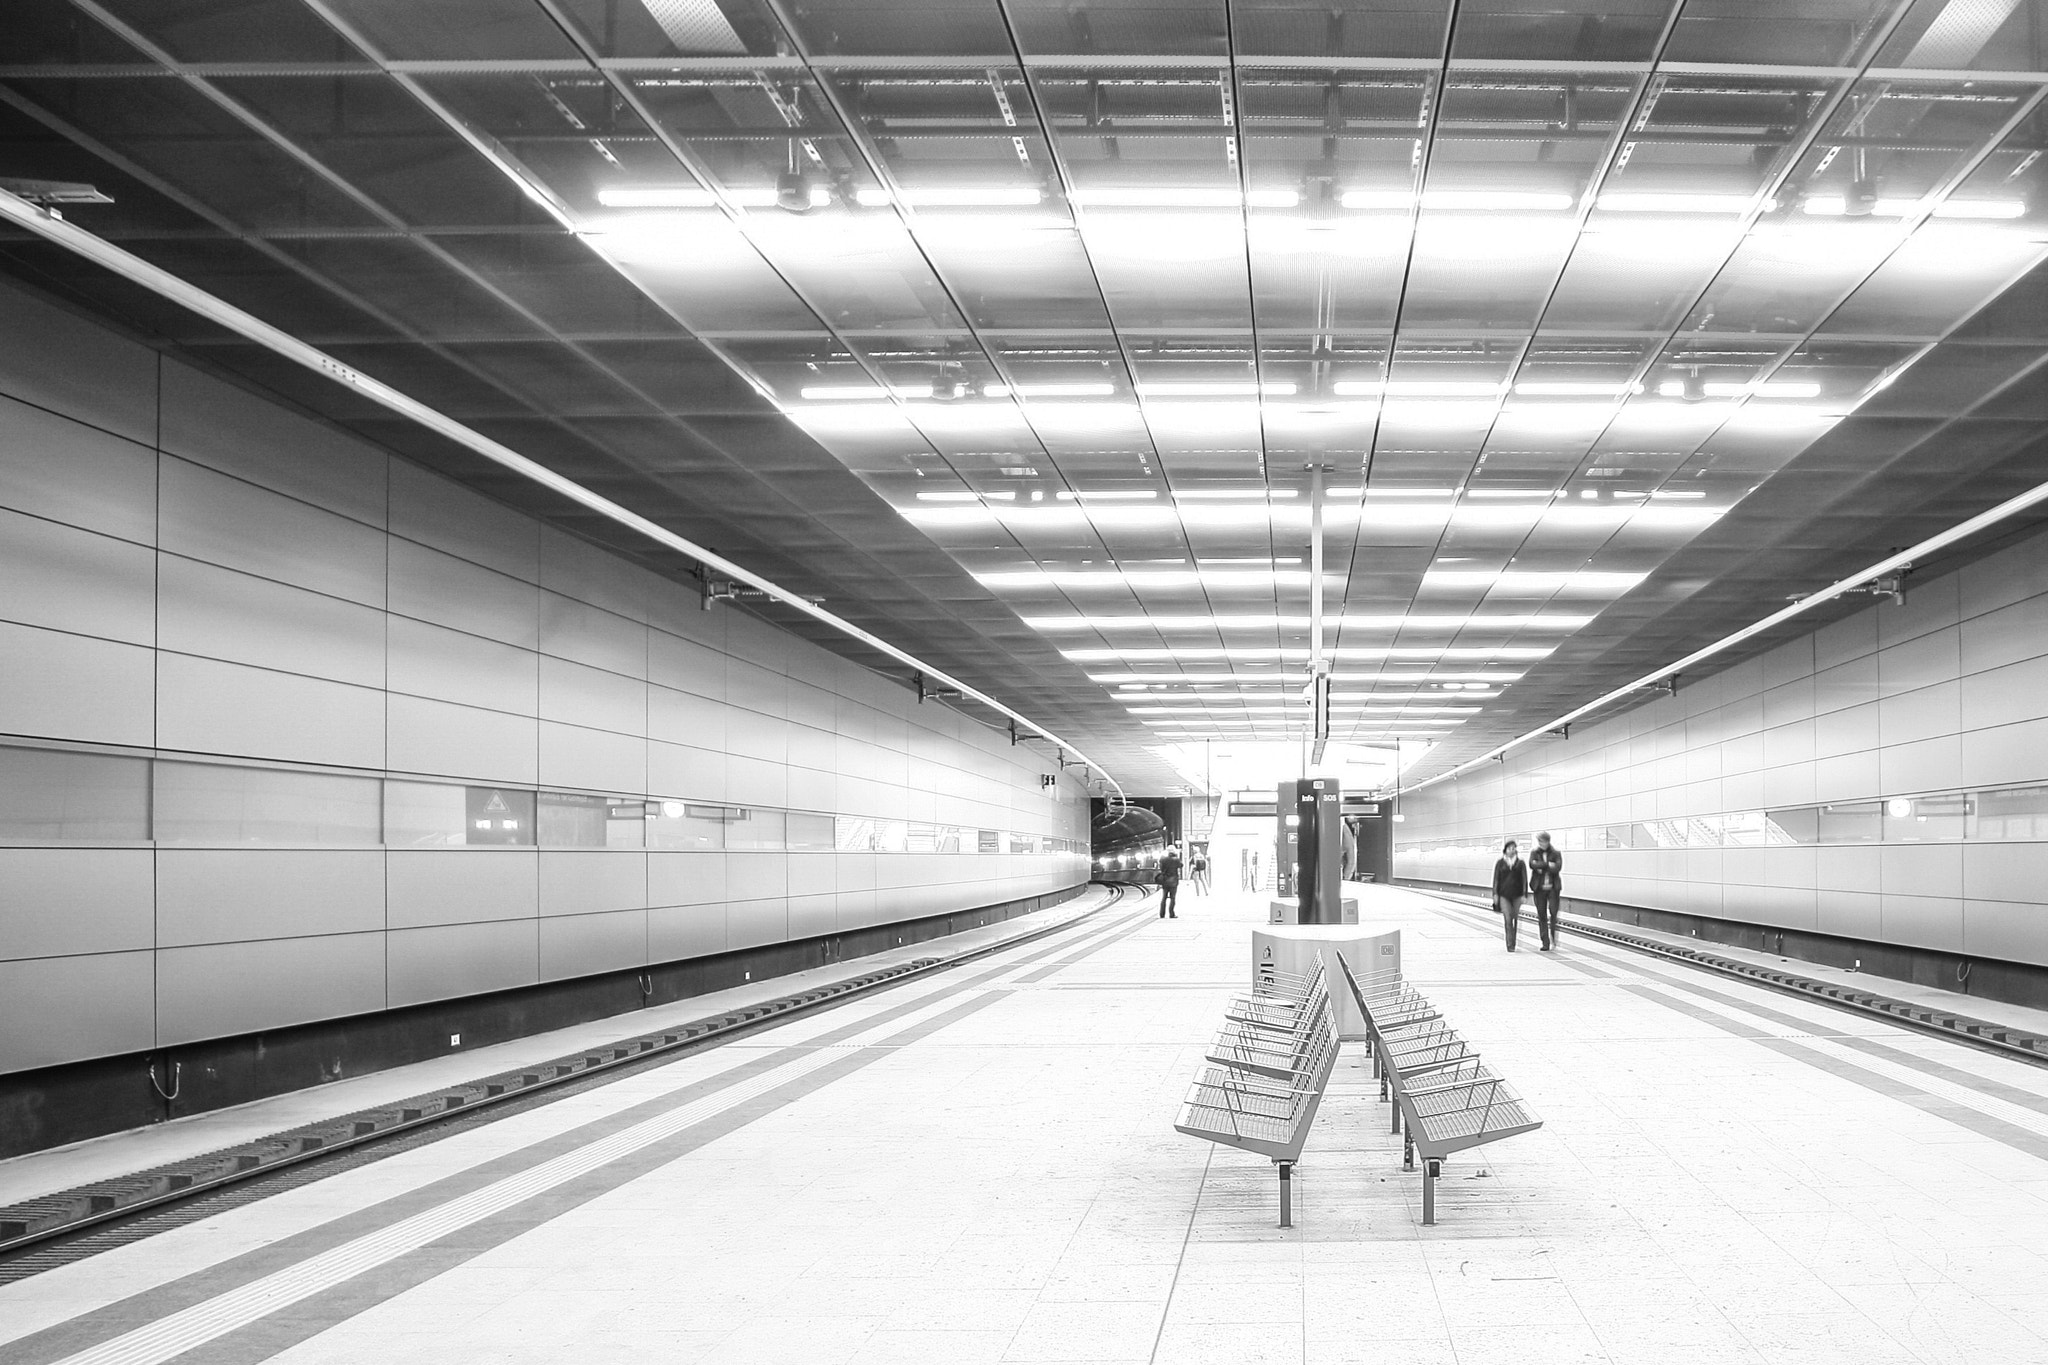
x=1032 y=335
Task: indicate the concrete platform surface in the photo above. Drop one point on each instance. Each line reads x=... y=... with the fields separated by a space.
x=981 y=1166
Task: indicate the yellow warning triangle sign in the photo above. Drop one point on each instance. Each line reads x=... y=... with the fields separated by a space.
x=497 y=803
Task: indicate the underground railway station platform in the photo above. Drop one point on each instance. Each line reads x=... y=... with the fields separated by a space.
x=981 y=1165
x=759 y=681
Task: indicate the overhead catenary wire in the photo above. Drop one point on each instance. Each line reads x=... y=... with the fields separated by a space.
x=53 y=228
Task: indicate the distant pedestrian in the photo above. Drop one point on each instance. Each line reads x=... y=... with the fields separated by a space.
x=1546 y=885
x=1198 y=873
x=1510 y=884
x=1169 y=882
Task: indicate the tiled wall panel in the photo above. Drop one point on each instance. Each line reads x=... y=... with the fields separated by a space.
x=190 y=570
x=1947 y=694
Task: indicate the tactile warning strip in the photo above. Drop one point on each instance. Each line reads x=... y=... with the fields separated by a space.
x=67 y=1211
x=35 y=1219
x=1962 y=1028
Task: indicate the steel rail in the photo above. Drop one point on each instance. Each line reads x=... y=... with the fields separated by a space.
x=53 y=228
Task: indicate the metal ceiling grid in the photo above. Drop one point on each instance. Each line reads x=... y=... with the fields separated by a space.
x=1076 y=293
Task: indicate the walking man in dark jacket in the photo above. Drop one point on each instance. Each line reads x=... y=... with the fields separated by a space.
x=1169 y=883
x=1546 y=885
x=1510 y=884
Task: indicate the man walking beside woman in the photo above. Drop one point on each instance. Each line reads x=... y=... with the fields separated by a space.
x=1542 y=877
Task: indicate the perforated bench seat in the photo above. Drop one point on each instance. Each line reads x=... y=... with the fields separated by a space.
x=1268 y=1068
x=1444 y=1097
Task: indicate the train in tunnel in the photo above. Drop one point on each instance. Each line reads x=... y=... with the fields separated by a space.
x=1126 y=843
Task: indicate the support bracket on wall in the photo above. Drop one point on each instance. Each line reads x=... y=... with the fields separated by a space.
x=725 y=590
x=926 y=693
x=1891 y=585
x=1561 y=732
x=1668 y=686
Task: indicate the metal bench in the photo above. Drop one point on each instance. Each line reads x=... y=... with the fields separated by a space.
x=1279 y=1004
x=1453 y=1115
x=1444 y=1098
x=1265 y=1082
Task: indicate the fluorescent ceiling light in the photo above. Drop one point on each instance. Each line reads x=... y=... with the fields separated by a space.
x=1980 y=208
x=1836 y=206
x=1272 y=621
x=954 y=196
x=1086 y=419
x=1412 y=621
x=1285 y=709
x=1163 y=197
x=1271 y=652
x=1295 y=679
x=1626 y=202
x=1540 y=200
x=1676 y=493
x=1769 y=388
x=1198 y=494
x=1418 y=388
x=658 y=197
x=855 y=419
x=838 y=393
x=1510 y=492
x=1519 y=581
x=771 y=197
x=1164 y=622
x=1095 y=389
x=1454 y=200
x=1220 y=389
x=1108 y=495
x=1078 y=579
x=1295 y=683
x=1548 y=388
x=1251 y=514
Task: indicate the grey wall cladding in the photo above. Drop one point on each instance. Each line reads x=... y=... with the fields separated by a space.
x=188 y=570
x=1918 y=732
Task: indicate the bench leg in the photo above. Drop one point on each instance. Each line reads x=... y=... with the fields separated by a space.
x=1395 y=1126
x=1408 y=1151
x=1430 y=1171
x=1286 y=1193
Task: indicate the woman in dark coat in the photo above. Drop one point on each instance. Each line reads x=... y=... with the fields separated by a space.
x=1510 y=884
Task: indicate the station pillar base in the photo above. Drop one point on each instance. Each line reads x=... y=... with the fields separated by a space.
x=1371 y=950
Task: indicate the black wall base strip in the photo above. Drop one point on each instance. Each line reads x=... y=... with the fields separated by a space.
x=1986 y=1034
x=52 y=1106
x=69 y=1212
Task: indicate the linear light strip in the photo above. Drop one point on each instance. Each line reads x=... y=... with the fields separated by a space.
x=1912 y=554
x=131 y=267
